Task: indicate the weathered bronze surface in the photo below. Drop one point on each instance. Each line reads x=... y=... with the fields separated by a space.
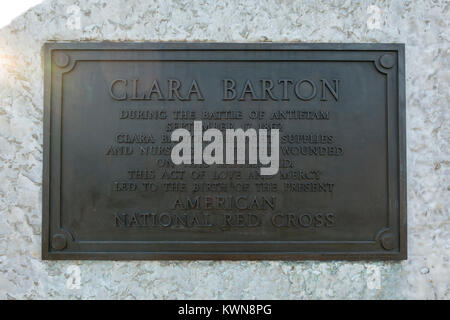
x=111 y=191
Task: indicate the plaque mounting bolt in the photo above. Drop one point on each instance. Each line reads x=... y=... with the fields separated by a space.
x=387 y=241
x=387 y=61
x=61 y=59
x=59 y=241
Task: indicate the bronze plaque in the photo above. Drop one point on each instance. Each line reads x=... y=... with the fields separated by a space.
x=321 y=172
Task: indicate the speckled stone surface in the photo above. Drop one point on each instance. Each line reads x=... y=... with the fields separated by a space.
x=421 y=25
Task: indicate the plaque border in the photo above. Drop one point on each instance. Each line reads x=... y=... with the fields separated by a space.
x=65 y=64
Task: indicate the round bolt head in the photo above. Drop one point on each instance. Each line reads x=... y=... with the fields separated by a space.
x=59 y=242
x=61 y=59
x=387 y=61
x=387 y=241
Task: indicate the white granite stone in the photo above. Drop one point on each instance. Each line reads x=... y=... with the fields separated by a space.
x=422 y=25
